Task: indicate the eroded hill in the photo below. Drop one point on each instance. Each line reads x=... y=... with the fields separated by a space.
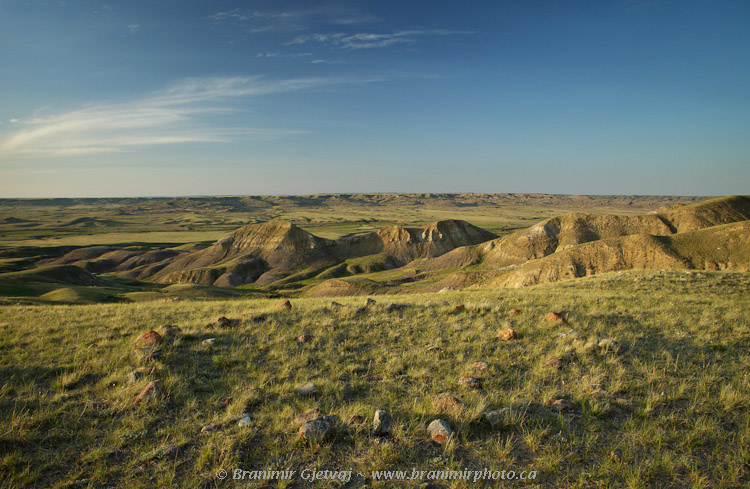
x=281 y=257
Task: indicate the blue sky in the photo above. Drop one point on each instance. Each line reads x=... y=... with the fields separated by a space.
x=118 y=98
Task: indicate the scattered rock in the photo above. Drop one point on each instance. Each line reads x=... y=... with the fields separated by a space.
x=245 y=421
x=447 y=289
x=508 y=334
x=209 y=341
x=336 y=305
x=479 y=366
x=514 y=312
x=448 y=405
x=257 y=318
x=555 y=363
x=150 y=337
x=318 y=429
x=224 y=322
x=209 y=428
x=471 y=382
x=303 y=418
x=370 y=302
x=226 y=402
x=616 y=455
x=307 y=389
x=151 y=391
x=147 y=353
x=285 y=304
x=439 y=431
x=560 y=405
x=304 y=338
x=459 y=308
x=381 y=423
x=554 y=317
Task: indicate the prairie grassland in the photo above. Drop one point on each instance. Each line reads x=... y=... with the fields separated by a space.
x=664 y=404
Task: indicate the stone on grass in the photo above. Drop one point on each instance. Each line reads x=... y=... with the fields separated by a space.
x=471 y=382
x=318 y=429
x=370 y=302
x=554 y=317
x=459 y=308
x=209 y=428
x=245 y=421
x=607 y=345
x=448 y=405
x=224 y=322
x=555 y=363
x=151 y=391
x=479 y=366
x=209 y=341
x=514 y=312
x=307 y=389
x=150 y=337
x=381 y=423
x=439 y=431
x=285 y=304
x=336 y=305
x=508 y=334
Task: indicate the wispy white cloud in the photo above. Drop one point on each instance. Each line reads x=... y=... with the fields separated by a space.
x=134 y=27
x=171 y=116
x=282 y=55
x=365 y=40
x=291 y=20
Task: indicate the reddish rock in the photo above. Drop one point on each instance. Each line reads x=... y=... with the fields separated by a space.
x=151 y=391
x=304 y=338
x=448 y=405
x=555 y=317
x=559 y=405
x=439 y=431
x=479 y=366
x=459 y=308
x=150 y=337
x=471 y=382
x=508 y=334
x=555 y=363
x=514 y=312
x=226 y=402
x=285 y=304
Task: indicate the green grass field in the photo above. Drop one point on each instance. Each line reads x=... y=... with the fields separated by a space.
x=664 y=404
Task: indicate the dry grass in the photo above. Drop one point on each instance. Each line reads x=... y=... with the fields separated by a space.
x=670 y=395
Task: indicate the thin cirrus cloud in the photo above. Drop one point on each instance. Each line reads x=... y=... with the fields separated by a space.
x=295 y=20
x=171 y=116
x=364 y=40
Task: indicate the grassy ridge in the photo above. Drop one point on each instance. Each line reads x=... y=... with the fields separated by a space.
x=670 y=398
